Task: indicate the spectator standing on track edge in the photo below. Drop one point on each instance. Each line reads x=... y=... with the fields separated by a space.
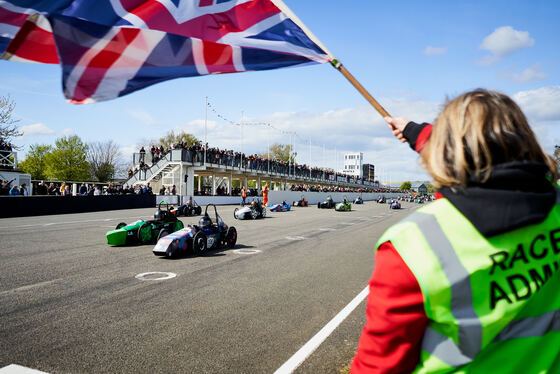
x=265 y=195
x=469 y=283
x=243 y=195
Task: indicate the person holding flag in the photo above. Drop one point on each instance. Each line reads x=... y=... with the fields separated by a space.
x=469 y=283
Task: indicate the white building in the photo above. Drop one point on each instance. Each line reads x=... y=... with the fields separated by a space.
x=353 y=164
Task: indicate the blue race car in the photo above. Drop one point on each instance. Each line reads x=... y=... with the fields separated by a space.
x=284 y=207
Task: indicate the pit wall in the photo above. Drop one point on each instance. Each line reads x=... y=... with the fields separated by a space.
x=279 y=196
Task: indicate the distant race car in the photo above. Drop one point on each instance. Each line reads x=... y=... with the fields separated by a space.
x=142 y=232
x=284 y=207
x=190 y=208
x=344 y=206
x=381 y=200
x=327 y=204
x=359 y=200
x=197 y=239
x=301 y=202
x=252 y=211
x=394 y=204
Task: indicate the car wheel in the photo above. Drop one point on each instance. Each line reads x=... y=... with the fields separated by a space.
x=144 y=233
x=162 y=233
x=120 y=225
x=198 y=210
x=199 y=243
x=254 y=214
x=235 y=213
x=231 y=237
x=171 y=250
x=319 y=205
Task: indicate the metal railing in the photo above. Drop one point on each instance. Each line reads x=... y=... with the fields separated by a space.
x=8 y=160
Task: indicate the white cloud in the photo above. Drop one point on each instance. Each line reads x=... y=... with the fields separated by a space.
x=542 y=109
x=36 y=129
x=66 y=132
x=531 y=74
x=540 y=104
x=502 y=42
x=434 y=51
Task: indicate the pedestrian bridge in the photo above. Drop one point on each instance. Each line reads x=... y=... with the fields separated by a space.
x=179 y=167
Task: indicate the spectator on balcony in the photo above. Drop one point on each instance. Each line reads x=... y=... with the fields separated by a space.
x=173 y=190
x=162 y=190
x=142 y=154
x=66 y=191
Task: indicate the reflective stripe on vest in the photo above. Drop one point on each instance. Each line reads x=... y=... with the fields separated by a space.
x=470 y=329
x=423 y=230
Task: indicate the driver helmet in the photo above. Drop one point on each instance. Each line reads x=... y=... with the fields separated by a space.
x=329 y=198
x=205 y=222
x=158 y=215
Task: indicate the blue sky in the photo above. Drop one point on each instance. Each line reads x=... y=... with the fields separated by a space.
x=410 y=55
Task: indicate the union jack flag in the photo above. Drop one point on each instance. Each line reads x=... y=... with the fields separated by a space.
x=109 y=48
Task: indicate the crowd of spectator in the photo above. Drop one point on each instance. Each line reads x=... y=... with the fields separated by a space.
x=318 y=188
x=215 y=155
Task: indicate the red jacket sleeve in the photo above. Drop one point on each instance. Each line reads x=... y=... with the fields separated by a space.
x=417 y=134
x=395 y=318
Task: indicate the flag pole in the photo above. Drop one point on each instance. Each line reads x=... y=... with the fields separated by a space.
x=338 y=66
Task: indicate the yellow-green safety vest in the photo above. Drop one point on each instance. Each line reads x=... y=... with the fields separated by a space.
x=493 y=304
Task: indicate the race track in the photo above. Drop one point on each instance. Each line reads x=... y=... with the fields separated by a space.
x=69 y=303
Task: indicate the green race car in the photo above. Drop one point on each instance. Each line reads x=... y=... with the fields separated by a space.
x=142 y=232
x=344 y=206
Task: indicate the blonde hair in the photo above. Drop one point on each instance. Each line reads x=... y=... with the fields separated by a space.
x=475 y=131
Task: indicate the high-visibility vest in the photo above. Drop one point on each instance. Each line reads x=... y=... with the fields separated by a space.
x=493 y=304
x=243 y=193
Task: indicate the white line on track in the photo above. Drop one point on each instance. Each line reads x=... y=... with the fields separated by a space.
x=70 y=222
x=327 y=229
x=347 y=223
x=309 y=347
x=295 y=237
x=18 y=369
x=28 y=287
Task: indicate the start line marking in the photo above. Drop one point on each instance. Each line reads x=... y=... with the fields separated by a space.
x=246 y=251
x=155 y=276
x=295 y=238
x=18 y=369
x=309 y=347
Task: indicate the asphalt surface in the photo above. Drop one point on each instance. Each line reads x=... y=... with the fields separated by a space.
x=69 y=303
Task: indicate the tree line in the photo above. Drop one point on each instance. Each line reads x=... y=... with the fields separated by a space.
x=70 y=159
